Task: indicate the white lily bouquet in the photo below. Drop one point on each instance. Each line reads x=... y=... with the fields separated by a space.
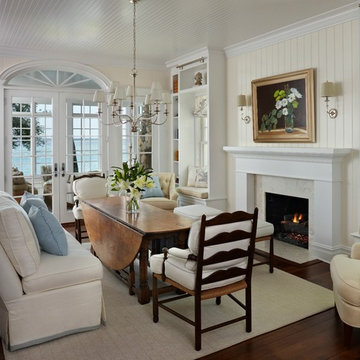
x=131 y=180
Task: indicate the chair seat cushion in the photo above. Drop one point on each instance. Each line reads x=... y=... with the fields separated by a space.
x=345 y=277
x=55 y=272
x=201 y=193
x=77 y=212
x=178 y=270
x=161 y=202
x=264 y=228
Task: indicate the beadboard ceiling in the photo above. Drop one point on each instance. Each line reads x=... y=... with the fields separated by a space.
x=100 y=31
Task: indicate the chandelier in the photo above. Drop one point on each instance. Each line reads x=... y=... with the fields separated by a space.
x=117 y=96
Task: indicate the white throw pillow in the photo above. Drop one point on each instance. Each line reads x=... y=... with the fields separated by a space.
x=191 y=175
x=18 y=238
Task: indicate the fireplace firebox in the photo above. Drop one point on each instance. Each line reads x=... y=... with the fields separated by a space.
x=289 y=215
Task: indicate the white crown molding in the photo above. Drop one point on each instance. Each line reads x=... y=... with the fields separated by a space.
x=187 y=57
x=330 y=18
x=91 y=59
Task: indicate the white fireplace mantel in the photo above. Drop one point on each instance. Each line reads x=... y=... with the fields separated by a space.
x=323 y=166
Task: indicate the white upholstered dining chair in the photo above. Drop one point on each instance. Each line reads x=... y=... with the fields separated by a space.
x=218 y=262
x=88 y=186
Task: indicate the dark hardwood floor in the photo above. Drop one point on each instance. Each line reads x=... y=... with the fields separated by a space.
x=317 y=337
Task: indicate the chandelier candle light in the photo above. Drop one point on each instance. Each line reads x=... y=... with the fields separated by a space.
x=117 y=95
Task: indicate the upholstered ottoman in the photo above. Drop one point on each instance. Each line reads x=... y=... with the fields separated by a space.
x=264 y=231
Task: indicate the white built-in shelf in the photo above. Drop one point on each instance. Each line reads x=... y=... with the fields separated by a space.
x=195 y=89
x=355 y=234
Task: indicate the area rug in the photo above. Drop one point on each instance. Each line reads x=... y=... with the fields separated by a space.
x=130 y=334
x=287 y=251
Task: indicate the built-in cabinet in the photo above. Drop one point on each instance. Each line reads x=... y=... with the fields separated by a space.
x=198 y=121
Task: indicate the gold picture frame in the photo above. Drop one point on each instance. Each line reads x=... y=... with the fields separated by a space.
x=283 y=107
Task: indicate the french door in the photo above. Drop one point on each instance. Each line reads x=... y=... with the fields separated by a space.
x=53 y=135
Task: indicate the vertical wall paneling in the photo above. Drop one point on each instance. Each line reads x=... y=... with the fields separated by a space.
x=334 y=54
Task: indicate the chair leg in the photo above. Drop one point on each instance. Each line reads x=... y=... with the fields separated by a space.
x=197 y=302
x=155 y=301
x=347 y=335
x=131 y=279
x=78 y=230
x=218 y=300
x=271 y=255
x=248 y=308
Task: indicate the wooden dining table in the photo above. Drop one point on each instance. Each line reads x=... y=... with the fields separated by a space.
x=118 y=237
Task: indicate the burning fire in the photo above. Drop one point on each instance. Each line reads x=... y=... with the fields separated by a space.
x=297 y=218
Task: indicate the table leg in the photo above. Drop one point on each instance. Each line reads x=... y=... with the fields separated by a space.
x=143 y=292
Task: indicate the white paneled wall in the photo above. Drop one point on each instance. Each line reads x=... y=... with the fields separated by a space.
x=334 y=54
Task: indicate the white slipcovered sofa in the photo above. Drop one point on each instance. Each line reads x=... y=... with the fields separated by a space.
x=43 y=296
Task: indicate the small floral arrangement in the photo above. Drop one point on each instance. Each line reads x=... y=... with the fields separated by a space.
x=286 y=101
x=132 y=180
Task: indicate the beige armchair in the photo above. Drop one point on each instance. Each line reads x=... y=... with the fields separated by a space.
x=167 y=183
x=345 y=273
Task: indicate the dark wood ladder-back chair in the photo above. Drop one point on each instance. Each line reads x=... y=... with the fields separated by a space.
x=80 y=229
x=232 y=241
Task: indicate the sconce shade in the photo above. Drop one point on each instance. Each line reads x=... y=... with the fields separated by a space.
x=241 y=100
x=327 y=89
x=99 y=96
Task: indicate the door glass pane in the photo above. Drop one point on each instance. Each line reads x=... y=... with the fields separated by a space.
x=83 y=152
x=32 y=147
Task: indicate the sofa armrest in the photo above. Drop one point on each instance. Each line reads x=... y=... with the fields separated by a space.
x=355 y=251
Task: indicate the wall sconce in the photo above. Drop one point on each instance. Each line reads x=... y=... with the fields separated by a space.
x=327 y=91
x=241 y=102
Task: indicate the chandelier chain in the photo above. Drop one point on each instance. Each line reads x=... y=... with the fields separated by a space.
x=134 y=35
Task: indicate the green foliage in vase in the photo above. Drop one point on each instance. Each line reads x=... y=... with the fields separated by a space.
x=132 y=179
x=286 y=101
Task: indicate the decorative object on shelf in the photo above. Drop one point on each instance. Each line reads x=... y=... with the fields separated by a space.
x=198 y=78
x=327 y=91
x=241 y=102
x=175 y=83
x=117 y=95
x=283 y=107
x=200 y=108
x=131 y=181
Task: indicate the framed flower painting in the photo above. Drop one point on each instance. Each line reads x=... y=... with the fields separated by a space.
x=283 y=107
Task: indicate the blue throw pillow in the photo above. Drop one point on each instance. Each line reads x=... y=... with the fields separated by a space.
x=33 y=201
x=154 y=191
x=28 y=195
x=49 y=232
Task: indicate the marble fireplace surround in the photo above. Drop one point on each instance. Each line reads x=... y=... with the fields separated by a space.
x=322 y=166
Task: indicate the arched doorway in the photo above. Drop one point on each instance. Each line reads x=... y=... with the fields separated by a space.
x=53 y=130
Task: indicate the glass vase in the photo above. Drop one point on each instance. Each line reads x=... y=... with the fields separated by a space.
x=289 y=124
x=132 y=204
